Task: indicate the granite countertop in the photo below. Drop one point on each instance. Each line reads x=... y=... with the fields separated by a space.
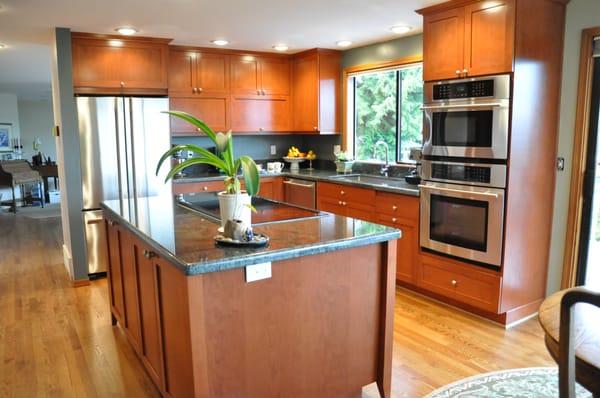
x=397 y=185
x=185 y=237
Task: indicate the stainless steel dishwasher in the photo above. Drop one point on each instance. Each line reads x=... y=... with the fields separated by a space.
x=300 y=192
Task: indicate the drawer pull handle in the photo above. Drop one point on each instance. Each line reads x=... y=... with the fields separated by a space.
x=342 y=192
x=343 y=203
x=394 y=219
x=454 y=282
x=205 y=188
x=394 y=207
x=340 y=202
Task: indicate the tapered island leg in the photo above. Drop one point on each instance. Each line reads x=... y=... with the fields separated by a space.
x=384 y=373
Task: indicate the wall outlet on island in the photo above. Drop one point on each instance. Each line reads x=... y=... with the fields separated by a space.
x=273 y=150
x=257 y=272
x=337 y=148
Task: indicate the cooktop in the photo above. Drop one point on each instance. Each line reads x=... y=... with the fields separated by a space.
x=267 y=210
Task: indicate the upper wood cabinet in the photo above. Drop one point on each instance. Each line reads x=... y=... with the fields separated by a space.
x=468 y=40
x=316 y=91
x=113 y=65
x=260 y=113
x=255 y=75
x=195 y=73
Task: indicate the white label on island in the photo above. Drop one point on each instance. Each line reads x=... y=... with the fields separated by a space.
x=257 y=272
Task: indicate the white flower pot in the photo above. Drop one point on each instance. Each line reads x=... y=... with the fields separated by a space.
x=235 y=207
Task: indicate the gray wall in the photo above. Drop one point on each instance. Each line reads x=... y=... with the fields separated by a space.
x=67 y=149
x=385 y=51
x=581 y=14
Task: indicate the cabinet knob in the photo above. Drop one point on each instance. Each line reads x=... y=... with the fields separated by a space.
x=394 y=207
x=199 y=89
x=454 y=282
x=394 y=220
x=343 y=203
x=149 y=254
x=122 y=84
x=258 y=92
x=340 y=202
x=263 y=92
x=205 y=188
x=458 y=72
x=342 y=192
x=194 y=90
x=465 y=71
x=316 y=128
x=260 y=129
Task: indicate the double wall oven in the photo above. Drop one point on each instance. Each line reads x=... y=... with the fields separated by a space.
x=465 y=151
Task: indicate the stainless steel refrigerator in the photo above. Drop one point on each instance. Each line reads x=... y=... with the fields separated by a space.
x=122 y=139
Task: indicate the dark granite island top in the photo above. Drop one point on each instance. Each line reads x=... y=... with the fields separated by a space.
x=311 y=315
x=185 y=237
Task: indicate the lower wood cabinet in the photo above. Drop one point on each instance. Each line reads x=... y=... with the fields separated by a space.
x=346 y=200
x=270 y=187
x=115 y=271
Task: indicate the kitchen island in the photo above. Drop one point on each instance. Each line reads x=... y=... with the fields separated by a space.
x=320 y=325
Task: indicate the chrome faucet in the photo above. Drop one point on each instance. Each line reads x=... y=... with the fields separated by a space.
x=385 y=167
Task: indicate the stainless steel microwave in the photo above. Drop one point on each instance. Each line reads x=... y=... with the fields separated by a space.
x=467 y=118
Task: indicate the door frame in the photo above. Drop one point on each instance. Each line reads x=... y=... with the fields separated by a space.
x=580 y=149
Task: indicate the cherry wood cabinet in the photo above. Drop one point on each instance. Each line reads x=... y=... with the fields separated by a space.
x=468 y=40
x=131 y=321
x=316 y=91
x=115 y=271
x=195 y=73
x=270 y=187
x=346 y=200
x=260 y=113
x=114 y=65
x=213 y=110
x=402 y=212
x=262 y=76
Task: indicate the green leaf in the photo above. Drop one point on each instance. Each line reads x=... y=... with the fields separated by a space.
x=251 y=176
x=194 y=121
x=188 y=163
x=216 y=161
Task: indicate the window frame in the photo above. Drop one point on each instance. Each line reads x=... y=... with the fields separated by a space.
x=348 y=119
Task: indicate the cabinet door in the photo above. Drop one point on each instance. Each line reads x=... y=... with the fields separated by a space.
x=489 y=37
x=213 y=110
x=408 y=246
x=144 y=66
x=245 y=77
x=213 y=74
x=443 y=44
x=148 y=285
x=115 y=273
x=275 y=76
x=182 y=72
x=130 y=291
x=271 y=188
x=96 y=64
x=305 y=95
x=260 y=114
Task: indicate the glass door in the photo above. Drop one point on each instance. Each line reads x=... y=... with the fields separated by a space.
x=589 y=250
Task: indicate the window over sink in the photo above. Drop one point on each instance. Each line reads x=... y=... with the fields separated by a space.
x=384 y=104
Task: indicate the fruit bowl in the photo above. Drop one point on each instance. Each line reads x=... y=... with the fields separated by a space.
x=294 y=163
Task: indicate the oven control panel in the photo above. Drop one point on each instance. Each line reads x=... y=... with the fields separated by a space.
x=463 y=90
x=459 y=172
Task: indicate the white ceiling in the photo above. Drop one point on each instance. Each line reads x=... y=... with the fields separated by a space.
x=26 y=27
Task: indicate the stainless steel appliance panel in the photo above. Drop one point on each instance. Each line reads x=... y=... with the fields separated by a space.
x=462 y=173
x=501 y=88
x=300 y=192
x=98 y=134
x=95 y=236
x=463 y=221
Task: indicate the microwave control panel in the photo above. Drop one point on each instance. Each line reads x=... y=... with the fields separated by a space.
x=463 y=90
x=459 y=172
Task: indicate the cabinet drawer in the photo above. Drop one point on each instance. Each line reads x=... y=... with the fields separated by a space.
x=398 y=206
x=463 y=283
x=197 y=187
x=346 y=193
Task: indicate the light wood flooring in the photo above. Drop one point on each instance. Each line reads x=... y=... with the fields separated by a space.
x=57 y=341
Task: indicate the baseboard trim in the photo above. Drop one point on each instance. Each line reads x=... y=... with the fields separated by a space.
x=81 y=282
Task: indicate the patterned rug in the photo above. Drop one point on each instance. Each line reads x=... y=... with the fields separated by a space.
x=513 y=383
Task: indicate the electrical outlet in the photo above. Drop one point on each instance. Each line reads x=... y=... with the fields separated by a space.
x=337 y=149
x=560 y=164
x=273 y=150
x=190 y=154
x=257 y=272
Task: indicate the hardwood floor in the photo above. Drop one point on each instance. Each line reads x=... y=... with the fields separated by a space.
x=56 y=340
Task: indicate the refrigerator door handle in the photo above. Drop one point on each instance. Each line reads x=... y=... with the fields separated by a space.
x=133 y=160
x=118 y=141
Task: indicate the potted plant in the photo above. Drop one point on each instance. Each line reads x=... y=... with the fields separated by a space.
x=344 y=162
x=234 y=203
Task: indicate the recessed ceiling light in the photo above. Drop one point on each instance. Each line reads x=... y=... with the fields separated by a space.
x=400 y=29
x=2 y=45
x=126 y=30
x=344 y=43
x=280 y=47
x=220 y=42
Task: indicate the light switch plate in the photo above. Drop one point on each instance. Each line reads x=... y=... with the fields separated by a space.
x=273 y=150
x=337 y=148
x=257 y=272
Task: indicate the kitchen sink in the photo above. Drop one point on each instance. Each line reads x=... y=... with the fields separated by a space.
x=371 y=180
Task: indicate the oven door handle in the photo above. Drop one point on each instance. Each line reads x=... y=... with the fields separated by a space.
x=490 y=194
x=463 y=106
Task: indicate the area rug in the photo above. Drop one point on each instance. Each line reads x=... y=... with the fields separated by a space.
x=513 y=383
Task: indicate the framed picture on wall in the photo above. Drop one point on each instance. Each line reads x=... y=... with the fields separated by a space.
x=5 y=137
